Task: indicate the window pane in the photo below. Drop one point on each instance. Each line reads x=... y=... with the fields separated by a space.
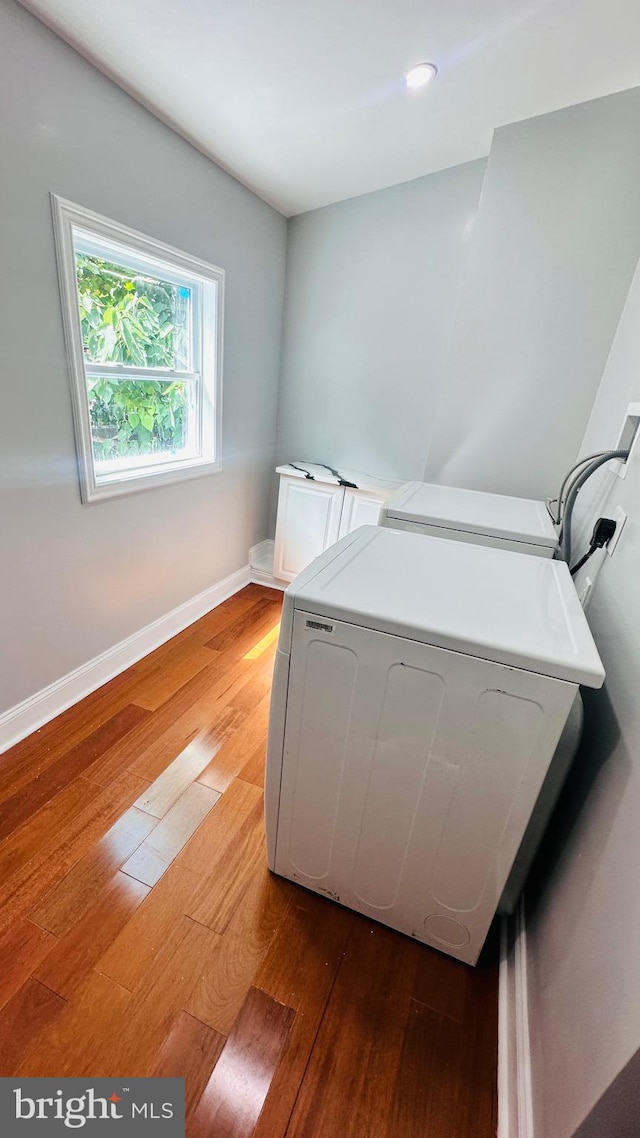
x=134 y=418
x=131 y=317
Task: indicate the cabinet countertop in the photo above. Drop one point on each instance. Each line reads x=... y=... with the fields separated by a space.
x=321 y=474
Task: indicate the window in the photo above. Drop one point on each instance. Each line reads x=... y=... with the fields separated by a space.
x=143 y=325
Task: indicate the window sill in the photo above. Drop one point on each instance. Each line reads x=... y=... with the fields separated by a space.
x=134 y=481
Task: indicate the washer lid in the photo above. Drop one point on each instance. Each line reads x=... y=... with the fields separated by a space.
x=519 y=519
x=507 y=607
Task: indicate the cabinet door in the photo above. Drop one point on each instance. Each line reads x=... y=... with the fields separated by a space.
x=360 y=508
x=409 y=775
x=308 y=521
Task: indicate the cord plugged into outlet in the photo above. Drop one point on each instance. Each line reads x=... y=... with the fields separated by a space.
x=620 y=519
x=603 y=532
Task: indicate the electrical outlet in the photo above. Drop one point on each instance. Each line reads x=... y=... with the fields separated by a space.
x=620 y=518
x=585 y=588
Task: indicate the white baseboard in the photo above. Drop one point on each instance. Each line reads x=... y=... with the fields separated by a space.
x=261 y=565
x=506 y=1038
x=38 y=709
x=260 y=577
x=515 y=1107
x=261 y=553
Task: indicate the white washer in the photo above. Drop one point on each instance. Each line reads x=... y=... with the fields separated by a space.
x=520 y=524
x=420 y=689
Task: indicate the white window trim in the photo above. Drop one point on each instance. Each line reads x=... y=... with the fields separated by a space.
x=67 y=214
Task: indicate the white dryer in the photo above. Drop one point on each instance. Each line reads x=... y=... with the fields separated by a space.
x=420 y=689
x=520 y=524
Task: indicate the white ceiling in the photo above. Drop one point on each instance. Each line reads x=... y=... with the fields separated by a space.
x=304 y=100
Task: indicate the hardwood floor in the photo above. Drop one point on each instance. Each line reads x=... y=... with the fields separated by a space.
x=141 y=933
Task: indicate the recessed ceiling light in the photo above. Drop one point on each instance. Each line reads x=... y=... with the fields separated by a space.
x=421 y=74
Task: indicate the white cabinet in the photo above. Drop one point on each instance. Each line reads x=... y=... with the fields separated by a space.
x=308 y=521
x=313 y=513
x=360 y=508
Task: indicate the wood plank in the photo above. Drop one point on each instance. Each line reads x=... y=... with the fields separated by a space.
x=232 y=679
x=64 y=848
x=228 y=973
x=66 y=966
x=134 y=780
x=127 y=754
x=193 y=636
x=173 y=831
x=133 y=951
x=307 y=948
x=179 y=665
x=240 y=636
x=299 y=970
x=268 y=643
x=154 y=856
x=224 y=886
x=261 y=653
x=199 y=707
x=205 y=724
x=230 y=759
x=442 y=984
x=162 y=991
x=446 y=1078
x=22 y=948
x=213 y=838
x=61 y=734
x=349 y=1082
x=221 y=617
x=118 y=761
x=64 y=906
x=257 y=688
x=77 y=722
x=28 y=799
x=254 y=769
x=118 y=690
x=235 y=1094
x=146 y=865
x=174 y=780
x=82 y=1038
x=190 y=1051
x=25 y=843
x=30 y=1012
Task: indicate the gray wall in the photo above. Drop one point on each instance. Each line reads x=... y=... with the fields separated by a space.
x=75 y=579
x=372 y=289
x=617 y=1113
x=555 y=245
x=584 y=925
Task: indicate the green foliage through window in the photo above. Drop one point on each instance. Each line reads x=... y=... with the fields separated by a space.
x=137 y=321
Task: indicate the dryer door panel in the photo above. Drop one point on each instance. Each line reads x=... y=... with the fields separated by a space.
x=409 y=775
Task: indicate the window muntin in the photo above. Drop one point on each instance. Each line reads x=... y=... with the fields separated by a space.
x=145 y=350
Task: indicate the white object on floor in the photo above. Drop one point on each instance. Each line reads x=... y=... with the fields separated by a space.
x=261 y=566
x=520 y=524
x=315 y=512
x=421 y=687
